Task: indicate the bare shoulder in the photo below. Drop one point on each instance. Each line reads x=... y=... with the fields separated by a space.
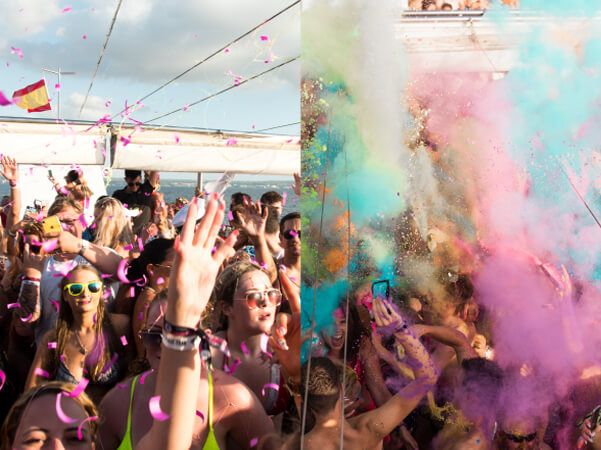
x=231 y=390
x=113 y=411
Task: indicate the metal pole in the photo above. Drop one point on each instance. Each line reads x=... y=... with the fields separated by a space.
x=199 y=181
x=59 y=73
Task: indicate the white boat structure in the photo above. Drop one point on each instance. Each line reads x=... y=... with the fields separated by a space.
x=43 y=145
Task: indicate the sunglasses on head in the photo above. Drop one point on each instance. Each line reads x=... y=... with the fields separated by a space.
x=132 y=184
x=518 y=439
x=151 y=338
x=289 y=234
x=274 y=297
x=76 y=289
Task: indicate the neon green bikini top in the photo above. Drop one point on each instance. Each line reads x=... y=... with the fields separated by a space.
x=210 y=443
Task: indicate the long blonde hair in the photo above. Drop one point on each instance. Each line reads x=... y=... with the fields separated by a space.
x=64 y=323
x=113 y=227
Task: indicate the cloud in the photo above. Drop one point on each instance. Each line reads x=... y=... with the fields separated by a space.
x=27 y=17
x=153 y=41
x=95 y=107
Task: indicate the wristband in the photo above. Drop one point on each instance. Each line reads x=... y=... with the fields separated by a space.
x=180 y=343
x=13 y=183
x=174 y=330
x=31 y=279
x=84 y=246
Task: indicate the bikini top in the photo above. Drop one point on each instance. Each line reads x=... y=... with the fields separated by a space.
x=210 y=443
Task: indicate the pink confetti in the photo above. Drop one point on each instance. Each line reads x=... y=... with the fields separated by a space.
x=110 y=363
x=106 y=294
x=201 y=415
x=128 y=247
x=13 y=305
x=244 y=349
x=227 y=50
x=230 y=216
x=87 y=419
x=155 y=409
x=57 y=87
x=3 y=100
x=132 y=292
x=187 y=106
x=94 y=318
x=144 y=375
x=176 y=138
x=141 y=316
x=121 y=385
x=31 y=171
x=59 y=411
x=232 y=369
x=64 y=191
x=17 y=51
x=81 y=386
x=140 y=244
x=231 y=142
x=264 y=38
x=271 y=386
x=41 y=372
x=123 y=341
x=107 y=103
x=67 y=9
x=26 y=319
x=105 y=275
x=253 y=442
x=2 y=378
x=84 y=36
x=51 y=344
x=284 y=195
x=160 y=280
x=125 y=140
x=121 y=271
x=50 y=245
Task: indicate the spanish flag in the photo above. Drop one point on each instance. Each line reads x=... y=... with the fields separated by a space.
x=33 y=98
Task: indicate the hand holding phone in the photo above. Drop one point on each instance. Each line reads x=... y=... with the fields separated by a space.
x=51 y=225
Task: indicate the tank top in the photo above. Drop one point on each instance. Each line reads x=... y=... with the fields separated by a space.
x=210 y=443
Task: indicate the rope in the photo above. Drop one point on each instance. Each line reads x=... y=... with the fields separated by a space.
x=100 y=57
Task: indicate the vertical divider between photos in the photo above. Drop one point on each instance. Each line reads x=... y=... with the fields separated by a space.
x=315 y=286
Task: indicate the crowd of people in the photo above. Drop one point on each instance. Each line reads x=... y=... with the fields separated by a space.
x=455 y=5
x=152 y=325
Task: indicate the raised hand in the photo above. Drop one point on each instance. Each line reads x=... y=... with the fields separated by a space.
x=253 y=220
x=9 y=168
x=296 y=187
x=386 y=316
x=196 y=265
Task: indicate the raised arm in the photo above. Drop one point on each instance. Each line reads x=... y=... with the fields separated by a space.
x=104 y=259
x=10 y=172
x=381 y=421
x=447 y=336
x=191 y=283
x=253 y=223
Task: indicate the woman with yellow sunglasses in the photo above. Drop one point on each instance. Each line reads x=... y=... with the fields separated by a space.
x=88 y=345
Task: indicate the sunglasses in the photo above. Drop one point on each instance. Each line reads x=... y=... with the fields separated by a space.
x=151 y=338
x=289 y=234
x=131 y=184
x=76 y=289
x=274 y=297
x=519 y=439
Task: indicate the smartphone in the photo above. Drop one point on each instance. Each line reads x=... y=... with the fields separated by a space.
x=380 y=288
x=49 y=173
x=51 y=225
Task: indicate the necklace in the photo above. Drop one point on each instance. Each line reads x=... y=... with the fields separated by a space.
x=82 y=349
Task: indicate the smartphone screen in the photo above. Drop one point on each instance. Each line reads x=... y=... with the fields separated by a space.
x=380 y=288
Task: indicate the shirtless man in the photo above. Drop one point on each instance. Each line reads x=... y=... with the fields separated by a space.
x=365 y=431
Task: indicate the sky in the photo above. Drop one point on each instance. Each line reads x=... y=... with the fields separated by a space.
x=153 y=41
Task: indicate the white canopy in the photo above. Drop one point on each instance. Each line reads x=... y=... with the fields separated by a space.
x=45 y=142
x=180 y=150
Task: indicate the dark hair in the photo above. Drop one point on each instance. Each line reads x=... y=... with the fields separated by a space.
x=133 y=174
x=426 y=3
x=272 y=224
x=72 y=176
x=238 y=199
x=356 y=330
x=271 y=197
x=322 y=384
x=155 y=252
x=287 y=217
x=447 y=5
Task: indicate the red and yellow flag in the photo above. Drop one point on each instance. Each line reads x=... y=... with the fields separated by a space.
x=33 y=98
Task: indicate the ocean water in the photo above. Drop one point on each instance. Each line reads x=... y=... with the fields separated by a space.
x=185 y=188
